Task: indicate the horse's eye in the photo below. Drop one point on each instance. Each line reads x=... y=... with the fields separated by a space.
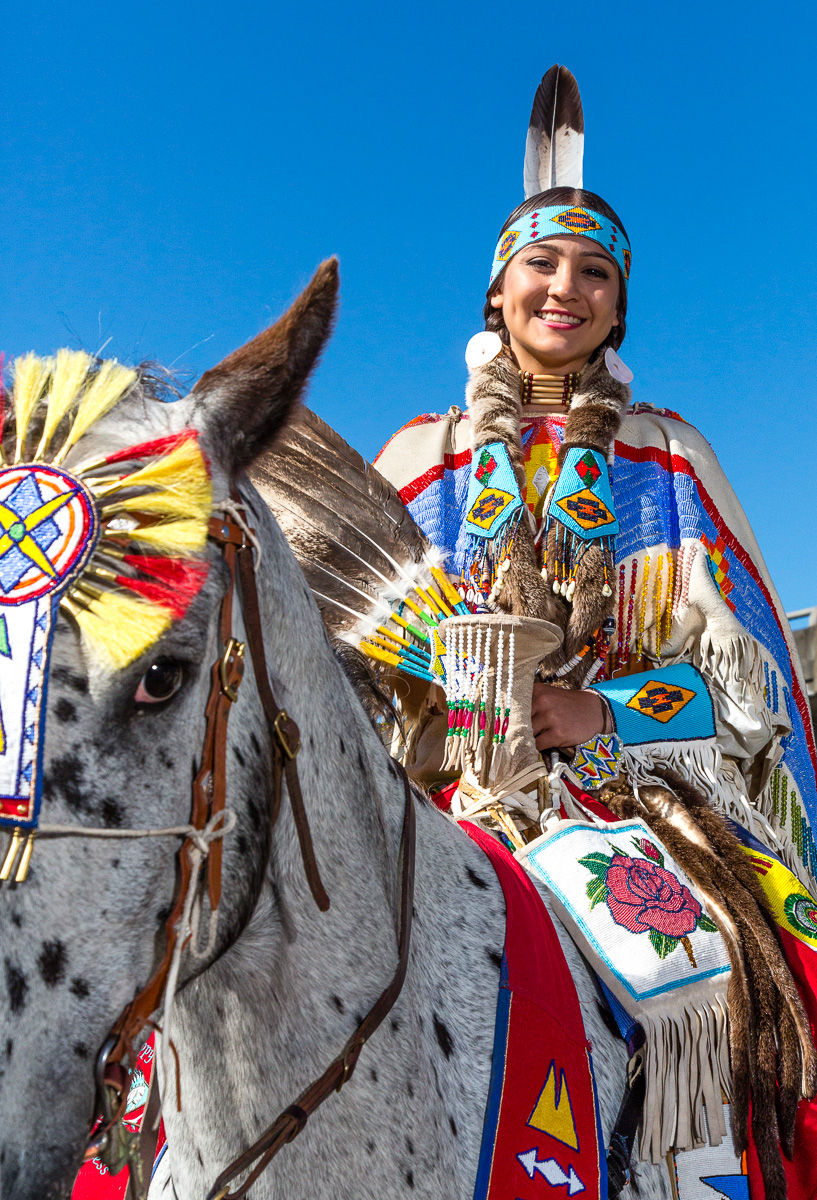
x=160 y=681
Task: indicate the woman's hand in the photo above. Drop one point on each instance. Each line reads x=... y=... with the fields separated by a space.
x=564 y=718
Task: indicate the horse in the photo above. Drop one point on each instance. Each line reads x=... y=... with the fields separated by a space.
x=284 y=984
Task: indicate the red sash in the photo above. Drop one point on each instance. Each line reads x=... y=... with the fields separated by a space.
x=541 y=1118
x=95 y=1182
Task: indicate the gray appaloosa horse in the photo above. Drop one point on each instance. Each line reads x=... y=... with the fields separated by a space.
x=286 y=984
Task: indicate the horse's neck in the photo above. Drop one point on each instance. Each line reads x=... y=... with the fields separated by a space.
x=271 y=1014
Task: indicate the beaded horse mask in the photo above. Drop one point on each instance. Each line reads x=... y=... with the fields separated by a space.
x=112 y=540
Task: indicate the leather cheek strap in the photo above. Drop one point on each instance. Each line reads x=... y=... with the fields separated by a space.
x=286 y=738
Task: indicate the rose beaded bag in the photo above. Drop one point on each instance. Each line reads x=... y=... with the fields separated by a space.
x=641 y=923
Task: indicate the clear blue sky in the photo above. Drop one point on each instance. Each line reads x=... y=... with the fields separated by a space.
x=172 y=173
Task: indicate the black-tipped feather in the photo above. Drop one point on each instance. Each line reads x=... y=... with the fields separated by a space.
x=554 y=150
x=347 y=526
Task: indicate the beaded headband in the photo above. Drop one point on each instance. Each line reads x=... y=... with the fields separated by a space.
x=557 y=220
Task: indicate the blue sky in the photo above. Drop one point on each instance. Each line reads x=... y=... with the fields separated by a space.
x=172 y=174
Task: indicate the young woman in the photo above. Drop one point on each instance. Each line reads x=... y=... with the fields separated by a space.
x=555 y=495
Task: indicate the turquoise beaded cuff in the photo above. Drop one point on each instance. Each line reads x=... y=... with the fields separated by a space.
x=670 y=704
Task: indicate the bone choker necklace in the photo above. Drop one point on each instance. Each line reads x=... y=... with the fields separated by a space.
x=547 y=389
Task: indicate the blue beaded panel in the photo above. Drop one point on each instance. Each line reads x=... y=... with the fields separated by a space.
x=440 y=511
x=655 y=505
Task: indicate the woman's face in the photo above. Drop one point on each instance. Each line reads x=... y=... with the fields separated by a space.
x=559 y=300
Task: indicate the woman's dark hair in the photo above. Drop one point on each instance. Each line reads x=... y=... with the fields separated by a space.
x=572 y=197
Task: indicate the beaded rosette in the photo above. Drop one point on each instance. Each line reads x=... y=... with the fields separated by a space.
x=111 y=539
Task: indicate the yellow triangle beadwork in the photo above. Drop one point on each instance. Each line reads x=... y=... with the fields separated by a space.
x=553 y=1113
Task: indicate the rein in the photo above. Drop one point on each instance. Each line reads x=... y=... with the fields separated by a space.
x=210 y=821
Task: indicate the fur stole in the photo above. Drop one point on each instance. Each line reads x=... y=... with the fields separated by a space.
x=493 y=397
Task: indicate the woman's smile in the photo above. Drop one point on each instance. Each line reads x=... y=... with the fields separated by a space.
x=558 y=318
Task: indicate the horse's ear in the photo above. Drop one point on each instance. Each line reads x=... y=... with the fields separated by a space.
x=248 y=396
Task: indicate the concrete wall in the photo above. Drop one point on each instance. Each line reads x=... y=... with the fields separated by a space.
x=806 y=642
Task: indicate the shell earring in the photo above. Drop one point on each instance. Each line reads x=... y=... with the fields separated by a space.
x=618 y=369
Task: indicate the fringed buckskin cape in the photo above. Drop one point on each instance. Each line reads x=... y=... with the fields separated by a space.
x=687 y=566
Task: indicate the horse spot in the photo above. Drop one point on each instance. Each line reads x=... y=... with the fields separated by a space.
x=199 y=1157
x=410 y=1178
x=254 y=813
x=360 y=761
x=409 y=1089
x=165 y=759
x=342 y=746
x=241 y=844
x=477 y=880
x=65 y=711
x=80 y=1049
x=79 y=987
x=395 y=1025
x=52 y=963
x=409 y=1145
x=373 y=1075
x=239 y=756
x=17 y=919
x=311 y=742
x=16 y=986
x=495 y=957
x=443 y=1036
x=115 y=863
x=338 y=1003
x=9 y=1047
x=65 y=777
x=111 y=813
x=256 y=745
x=370 y=1147
x=453 y=1125
x=70 y=678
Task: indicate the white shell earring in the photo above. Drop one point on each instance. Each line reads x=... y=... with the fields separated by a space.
x=618 y=369
x=482 y=348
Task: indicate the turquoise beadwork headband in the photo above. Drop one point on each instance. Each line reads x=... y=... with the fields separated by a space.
x=556 y=220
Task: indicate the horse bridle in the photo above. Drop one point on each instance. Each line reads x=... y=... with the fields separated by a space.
x=110 y=1140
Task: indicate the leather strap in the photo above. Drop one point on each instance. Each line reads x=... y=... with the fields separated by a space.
x=286 y=737
x=291 y=1121
x=622 y=1138
x=209 y=790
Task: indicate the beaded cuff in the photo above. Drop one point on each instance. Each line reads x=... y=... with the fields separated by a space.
x=670 y=704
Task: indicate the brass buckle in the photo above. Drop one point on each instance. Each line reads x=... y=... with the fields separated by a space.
x=288 y=750
x=236 y=648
